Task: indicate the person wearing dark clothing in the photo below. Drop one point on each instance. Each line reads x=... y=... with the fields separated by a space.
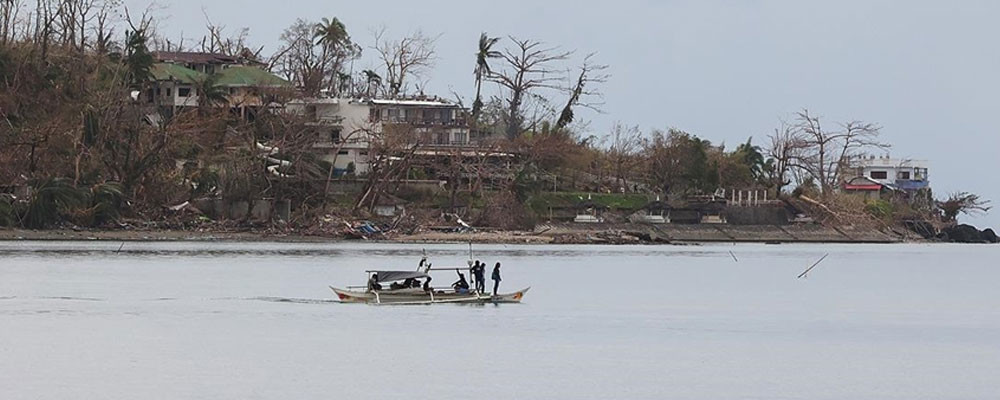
x=479 y=275
x=496 y=279
x=427 y=284
x=461 y=286
x=373 y=283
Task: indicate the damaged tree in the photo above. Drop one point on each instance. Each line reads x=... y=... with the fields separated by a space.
x=962 y=203
x=390 y=152
x=582 y=94
x=404 y=59
x=822 y=154
x=528 y=66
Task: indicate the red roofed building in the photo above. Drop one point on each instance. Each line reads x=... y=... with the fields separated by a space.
x=867 y=188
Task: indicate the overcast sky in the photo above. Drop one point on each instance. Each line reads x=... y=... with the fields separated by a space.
x=724 y=70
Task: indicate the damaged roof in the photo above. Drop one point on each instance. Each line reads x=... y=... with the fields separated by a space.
x=188 y=57
x=174 y=72
x=248 y=76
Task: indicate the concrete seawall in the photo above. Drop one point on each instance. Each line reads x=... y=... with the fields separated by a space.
x=728 y=233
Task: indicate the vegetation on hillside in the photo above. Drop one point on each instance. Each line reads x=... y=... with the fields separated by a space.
x=73 y=128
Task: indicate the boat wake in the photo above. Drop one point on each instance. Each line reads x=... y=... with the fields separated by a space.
x=273 y=299
x=69 y=298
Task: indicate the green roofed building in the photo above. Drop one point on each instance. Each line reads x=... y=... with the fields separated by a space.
x=179 y=75
x=249 y=76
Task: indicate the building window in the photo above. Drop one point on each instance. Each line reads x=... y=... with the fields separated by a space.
x=879 y=175
x=183 y=92
x=169 y=92
x=904 y=175
x=335 y=135
x=343 y=153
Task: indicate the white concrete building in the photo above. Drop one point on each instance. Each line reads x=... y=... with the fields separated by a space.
x=347 y=127
x=904 y=174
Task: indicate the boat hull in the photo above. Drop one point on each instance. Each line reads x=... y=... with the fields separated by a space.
x=416 y=296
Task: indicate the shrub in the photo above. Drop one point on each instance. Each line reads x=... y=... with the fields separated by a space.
x=880 y=209
x=6 y=212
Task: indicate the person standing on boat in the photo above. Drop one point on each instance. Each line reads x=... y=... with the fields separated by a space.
x=373 y=283
x=496 y=279
x=479 y=275
x=482 y=277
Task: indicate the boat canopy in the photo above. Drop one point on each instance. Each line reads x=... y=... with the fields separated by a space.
x=392 y=276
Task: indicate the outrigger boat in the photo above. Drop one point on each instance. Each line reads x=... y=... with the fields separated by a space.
x=398 y=295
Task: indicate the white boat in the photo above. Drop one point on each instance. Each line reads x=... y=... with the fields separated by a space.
x=398 y=295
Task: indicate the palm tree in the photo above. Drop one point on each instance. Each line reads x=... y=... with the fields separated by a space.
x=210 y=93
x=331 y=33
x=483 y=57
x=51 y=198
x=372 y=80
x=138 y=59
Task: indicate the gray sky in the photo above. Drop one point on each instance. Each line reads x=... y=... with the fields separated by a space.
x=724 y=70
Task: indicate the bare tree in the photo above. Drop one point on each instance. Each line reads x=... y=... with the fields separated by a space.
x=527 y=67
x=9 y=15
x=390 y=155
x=46 y=14
x=405 y=58
x=74 y=18
x=582 y=94
x=235 y=45
x=104 y=26
x=314 y=56
x=826 y=154
x=784 y=154
x=625 y=142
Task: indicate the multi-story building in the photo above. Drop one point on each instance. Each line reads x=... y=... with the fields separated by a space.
x=897 y=174
x=178 y=77
x=347 y=128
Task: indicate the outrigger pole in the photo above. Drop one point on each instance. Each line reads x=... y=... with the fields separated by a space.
x=813 y=266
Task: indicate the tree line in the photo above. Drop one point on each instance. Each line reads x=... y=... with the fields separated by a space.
x=70 y=120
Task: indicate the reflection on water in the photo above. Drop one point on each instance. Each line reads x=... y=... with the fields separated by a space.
x=229 y=320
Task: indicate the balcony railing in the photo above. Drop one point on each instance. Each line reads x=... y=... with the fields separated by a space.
x=910 y=184
x=421 y=122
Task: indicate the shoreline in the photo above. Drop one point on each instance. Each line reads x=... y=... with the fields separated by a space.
x=546 y=234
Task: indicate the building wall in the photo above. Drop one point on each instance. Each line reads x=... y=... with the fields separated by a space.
x=888 y=171
x=353 y=119
x=169 y=95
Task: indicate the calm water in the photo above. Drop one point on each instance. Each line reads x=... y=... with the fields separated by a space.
x=256 y=321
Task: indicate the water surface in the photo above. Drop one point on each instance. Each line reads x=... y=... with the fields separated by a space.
x=257 y=321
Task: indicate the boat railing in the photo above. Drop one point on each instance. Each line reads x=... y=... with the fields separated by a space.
x=432 y=291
